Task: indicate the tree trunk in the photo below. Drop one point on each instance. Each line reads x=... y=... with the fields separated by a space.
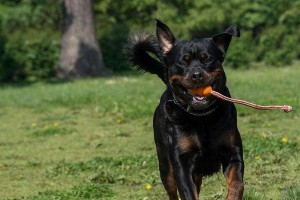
x=80 y=54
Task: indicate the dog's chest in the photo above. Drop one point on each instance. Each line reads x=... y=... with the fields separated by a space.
x=196 y=137
x=200 y=148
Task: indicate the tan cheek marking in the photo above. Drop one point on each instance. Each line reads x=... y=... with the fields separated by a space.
x=217 y=72
x=175 y=78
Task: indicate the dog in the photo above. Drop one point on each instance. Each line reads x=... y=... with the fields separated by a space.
x=195 y=136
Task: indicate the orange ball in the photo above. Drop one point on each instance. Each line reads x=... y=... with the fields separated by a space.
x=202 y=91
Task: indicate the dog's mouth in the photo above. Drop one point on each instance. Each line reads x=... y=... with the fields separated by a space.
x=197 y=98
x=200 y=93
x=191 y=96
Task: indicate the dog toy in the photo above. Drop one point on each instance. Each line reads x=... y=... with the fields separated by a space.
x=205 y=91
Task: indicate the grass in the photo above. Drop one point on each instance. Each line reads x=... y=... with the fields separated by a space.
x=92 y=139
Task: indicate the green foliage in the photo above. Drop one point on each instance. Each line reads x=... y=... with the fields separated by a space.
x=283 y=45
x=31 y=40
x=240 y=54
x=269 y=31
x=112 y=42
x=30 y=31
x=7 y=73
x=31 y=56
x=25 y=15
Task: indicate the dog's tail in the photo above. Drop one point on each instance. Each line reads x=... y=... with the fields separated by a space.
x=137 y=51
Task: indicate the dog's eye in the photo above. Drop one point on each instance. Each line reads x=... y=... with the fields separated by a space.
x=186 y=59
x=203 y=57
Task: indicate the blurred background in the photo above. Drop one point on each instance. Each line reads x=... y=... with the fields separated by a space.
x=31 y=31
x=92 y=138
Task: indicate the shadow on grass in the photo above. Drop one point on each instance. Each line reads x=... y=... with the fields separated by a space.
x=85 y=191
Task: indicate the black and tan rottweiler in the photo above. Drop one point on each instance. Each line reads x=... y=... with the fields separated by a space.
x=195 y=136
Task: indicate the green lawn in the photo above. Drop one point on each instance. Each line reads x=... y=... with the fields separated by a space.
x=92 y=139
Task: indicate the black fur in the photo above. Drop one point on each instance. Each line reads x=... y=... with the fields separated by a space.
x=194 y=135
x=137 y=51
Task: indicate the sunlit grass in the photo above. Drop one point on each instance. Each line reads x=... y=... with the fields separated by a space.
x=92 y=139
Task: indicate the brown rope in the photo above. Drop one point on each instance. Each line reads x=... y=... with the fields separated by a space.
x=286 y=108
x=208 y=90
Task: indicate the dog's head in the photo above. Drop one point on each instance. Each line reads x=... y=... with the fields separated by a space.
x=194 y=64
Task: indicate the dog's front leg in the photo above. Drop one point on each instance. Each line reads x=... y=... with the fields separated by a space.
x=183 y=168
x=234 y=173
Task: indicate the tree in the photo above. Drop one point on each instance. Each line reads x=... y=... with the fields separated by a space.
x=80 y=54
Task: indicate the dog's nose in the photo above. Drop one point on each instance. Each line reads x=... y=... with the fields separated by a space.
x=197 y=76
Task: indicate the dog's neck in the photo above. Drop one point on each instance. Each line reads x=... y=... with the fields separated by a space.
x=188 y=109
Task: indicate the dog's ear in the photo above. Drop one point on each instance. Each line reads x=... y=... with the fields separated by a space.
x=223 y=40
x=165 y=37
